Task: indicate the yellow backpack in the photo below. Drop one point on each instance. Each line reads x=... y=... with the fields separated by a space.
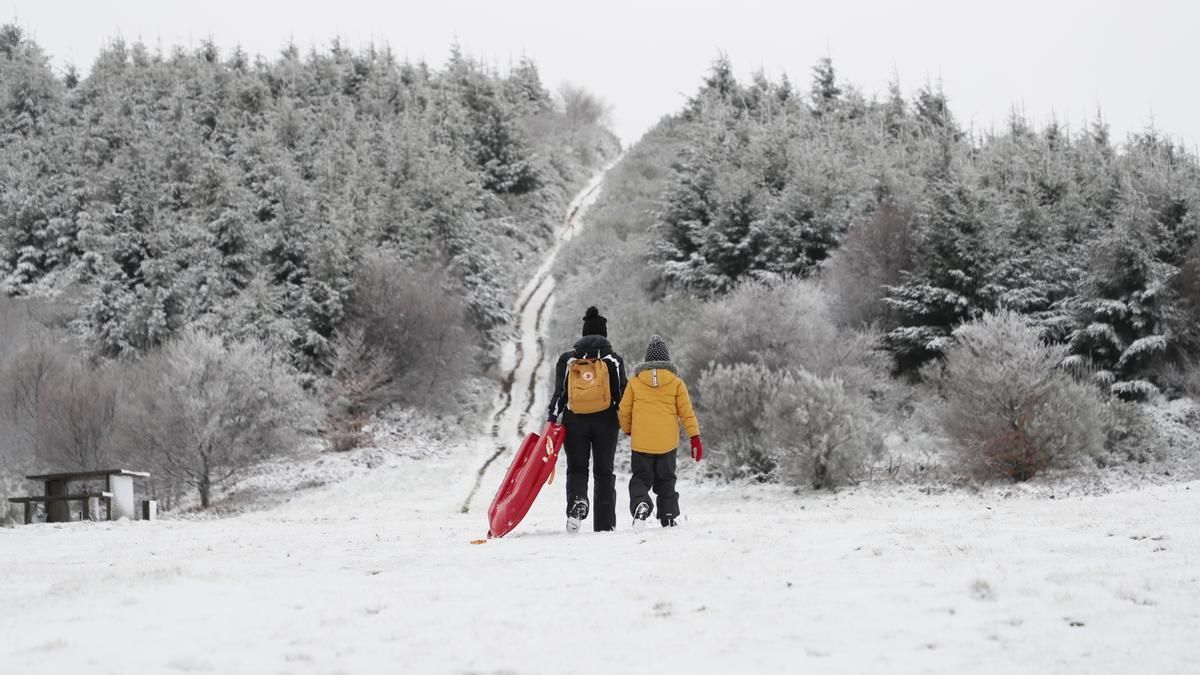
x=587 y=386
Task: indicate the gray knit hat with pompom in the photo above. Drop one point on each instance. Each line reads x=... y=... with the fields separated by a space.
x=657 y=350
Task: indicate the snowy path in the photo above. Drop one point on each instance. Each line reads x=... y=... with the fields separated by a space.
x=524 y=363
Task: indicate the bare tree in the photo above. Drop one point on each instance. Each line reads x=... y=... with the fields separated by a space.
x=872 y=256
x=362 y=382
x=410 y=318
x=203 y=412
x=76 y=418
x=582 y=107
x=31 y=375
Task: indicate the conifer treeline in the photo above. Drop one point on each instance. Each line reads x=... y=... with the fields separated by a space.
x=240 y=194
x=921 y=225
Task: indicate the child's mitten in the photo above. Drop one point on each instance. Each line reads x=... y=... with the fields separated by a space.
x=697 y=449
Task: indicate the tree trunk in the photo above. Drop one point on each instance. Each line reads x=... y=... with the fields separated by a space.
x=205 y=483
x=821 y=470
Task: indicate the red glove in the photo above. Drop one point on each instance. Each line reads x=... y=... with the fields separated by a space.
x=697 y=449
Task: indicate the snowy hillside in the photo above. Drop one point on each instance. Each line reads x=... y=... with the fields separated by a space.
x=370 y=562
x=948 y=384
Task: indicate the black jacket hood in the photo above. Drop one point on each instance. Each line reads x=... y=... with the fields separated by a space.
x=594 y=346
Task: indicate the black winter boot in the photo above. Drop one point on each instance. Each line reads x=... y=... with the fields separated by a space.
x=667 y=522
x=579 y=511
x=640 y=513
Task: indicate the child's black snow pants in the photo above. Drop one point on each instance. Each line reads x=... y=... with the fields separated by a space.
x=658 y=472
x=593 y=436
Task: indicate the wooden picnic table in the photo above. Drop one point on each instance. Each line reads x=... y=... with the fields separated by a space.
x=117 y=494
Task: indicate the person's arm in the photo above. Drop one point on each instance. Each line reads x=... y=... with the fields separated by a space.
x=625 y=411
x=618 y=382
x=683 y=408
x=559 y=400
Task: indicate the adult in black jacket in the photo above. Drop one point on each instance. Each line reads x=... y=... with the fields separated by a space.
x=591 y=435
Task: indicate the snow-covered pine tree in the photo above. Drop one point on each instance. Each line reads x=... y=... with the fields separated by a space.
x=35 y=181
x=826 y=95
x=496 y=143
x=946 y=285
x=1123 y=304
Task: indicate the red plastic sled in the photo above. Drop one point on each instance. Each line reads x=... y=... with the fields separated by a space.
x=530 y=469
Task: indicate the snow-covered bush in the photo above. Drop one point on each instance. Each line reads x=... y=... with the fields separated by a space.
x=200 y=412
x=1009 y=406
x=1130 y=434
x=823 y=436
x=773 y=324
x=793 y=426
x=732 y=404
x=783 y=326
x=1182 y=378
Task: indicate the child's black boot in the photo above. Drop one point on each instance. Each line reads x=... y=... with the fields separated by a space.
x=640 y=513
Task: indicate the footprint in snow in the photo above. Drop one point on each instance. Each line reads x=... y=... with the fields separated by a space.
x=982 y=590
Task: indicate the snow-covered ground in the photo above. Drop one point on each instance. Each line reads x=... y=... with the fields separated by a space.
x=364 y=563
x=376 y=574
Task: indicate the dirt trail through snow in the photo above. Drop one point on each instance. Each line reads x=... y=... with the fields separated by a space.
x=524 y=362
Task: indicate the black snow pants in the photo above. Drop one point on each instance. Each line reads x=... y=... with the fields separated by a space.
x=658 y=472
x=593 y=436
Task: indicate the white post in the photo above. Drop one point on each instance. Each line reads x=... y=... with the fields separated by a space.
x=121 y=505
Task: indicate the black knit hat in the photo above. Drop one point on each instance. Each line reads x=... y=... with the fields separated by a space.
x=657 y=350
x=593 y=323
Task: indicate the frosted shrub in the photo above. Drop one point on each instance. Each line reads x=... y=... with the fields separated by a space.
x=823 y=436
x=732 y=405
x=775 y=325
x=797 y=427
x=784 y=325
x=200 y=412
x=1009 y=407
x=361 y=383
x=1182 y=377
x=1130 y=434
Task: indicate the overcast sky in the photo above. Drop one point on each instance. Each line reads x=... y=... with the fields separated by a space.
x=1135 y=60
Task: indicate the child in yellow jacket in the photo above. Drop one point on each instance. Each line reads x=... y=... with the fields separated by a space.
x=651 y=409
